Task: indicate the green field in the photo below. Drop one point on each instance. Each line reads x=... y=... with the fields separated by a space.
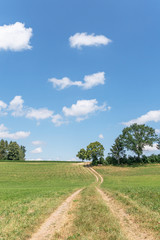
x=138 y=189
x=29 y=192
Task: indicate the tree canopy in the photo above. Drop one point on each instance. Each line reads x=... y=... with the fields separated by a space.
x=82 y=154
x=94 y=152
x=117 y=149
x=11 y=151
x=136 y=137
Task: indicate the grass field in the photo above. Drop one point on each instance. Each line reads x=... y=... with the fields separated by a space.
x=29 y=192
x=93 y=220
x=138 y=190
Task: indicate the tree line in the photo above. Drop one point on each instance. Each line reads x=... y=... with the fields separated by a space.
x=11 y=151
x=133 y=139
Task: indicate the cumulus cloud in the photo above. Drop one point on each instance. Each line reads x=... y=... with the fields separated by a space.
x=15 y=37
x=38 y=114
x=83 y=39
x=37 y=142
x=4 y=133
x=16 y=106
x=37 y=150
x=63 y=83
x=93 y=80
x=89 y=81
x=151 y=116
x=83 y=108
x=57 y=120
x=148 y=148
x=101 y=136
x=3 y=106
x=3 y=128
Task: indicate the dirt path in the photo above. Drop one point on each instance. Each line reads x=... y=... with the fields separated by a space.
x=129 y=227
x=131 y=230
x=90 y=170
x=97 y=174
x=56 y=220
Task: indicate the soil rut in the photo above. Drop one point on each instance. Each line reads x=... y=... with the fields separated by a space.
x=56 y=220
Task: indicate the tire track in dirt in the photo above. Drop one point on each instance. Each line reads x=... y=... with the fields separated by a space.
x=56 y=220
x=90 y=170
x=97 y=174
x=130 y=228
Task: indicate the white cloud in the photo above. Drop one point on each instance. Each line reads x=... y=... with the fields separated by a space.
x=83 y=39
x=148 y=148
x=4 y=133
x=57 y=120
x=89 y=81
x=2 y=105
x=16 y=106
x=63 y=83
x=15 y=37
x=93 y=80
x=3 y=128
x=83 y=108
x=101 y=136
x=37 y=142
x=153 y=116
x=41 y=113
x=37 y=150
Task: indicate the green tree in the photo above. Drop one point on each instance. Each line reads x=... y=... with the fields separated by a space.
x=136 y=137
x=94 y=152
x=158 y=143
x=117 y=149
x=81 y=154
x=22 y=152
x=13 y=151
x=3 y=149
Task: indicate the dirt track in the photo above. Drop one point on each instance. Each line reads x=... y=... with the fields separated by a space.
x=131 y=230
x=56 y=221
x=60 y=216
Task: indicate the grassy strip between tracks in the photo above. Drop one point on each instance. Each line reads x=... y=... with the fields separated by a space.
x=92 y=220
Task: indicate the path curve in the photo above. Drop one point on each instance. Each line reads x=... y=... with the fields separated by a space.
x=101 y=178
x=90 y=170
x=56 y=220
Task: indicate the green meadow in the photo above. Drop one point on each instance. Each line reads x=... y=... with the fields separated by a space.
x=30 y=191
x=138 y=190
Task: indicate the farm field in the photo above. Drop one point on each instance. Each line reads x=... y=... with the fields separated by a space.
x=128 y=200
x=137 y=189
x=29 y=192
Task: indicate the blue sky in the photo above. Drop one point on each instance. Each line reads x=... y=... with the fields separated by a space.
x=72 y=70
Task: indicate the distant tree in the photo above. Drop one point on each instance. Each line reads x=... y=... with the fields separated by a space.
x=22 y=153
x=3 y=149
x=136 y=137
x=117 y=149
x=13 y=151
x=81 y=154
x=158 y=143
x=94 y=152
